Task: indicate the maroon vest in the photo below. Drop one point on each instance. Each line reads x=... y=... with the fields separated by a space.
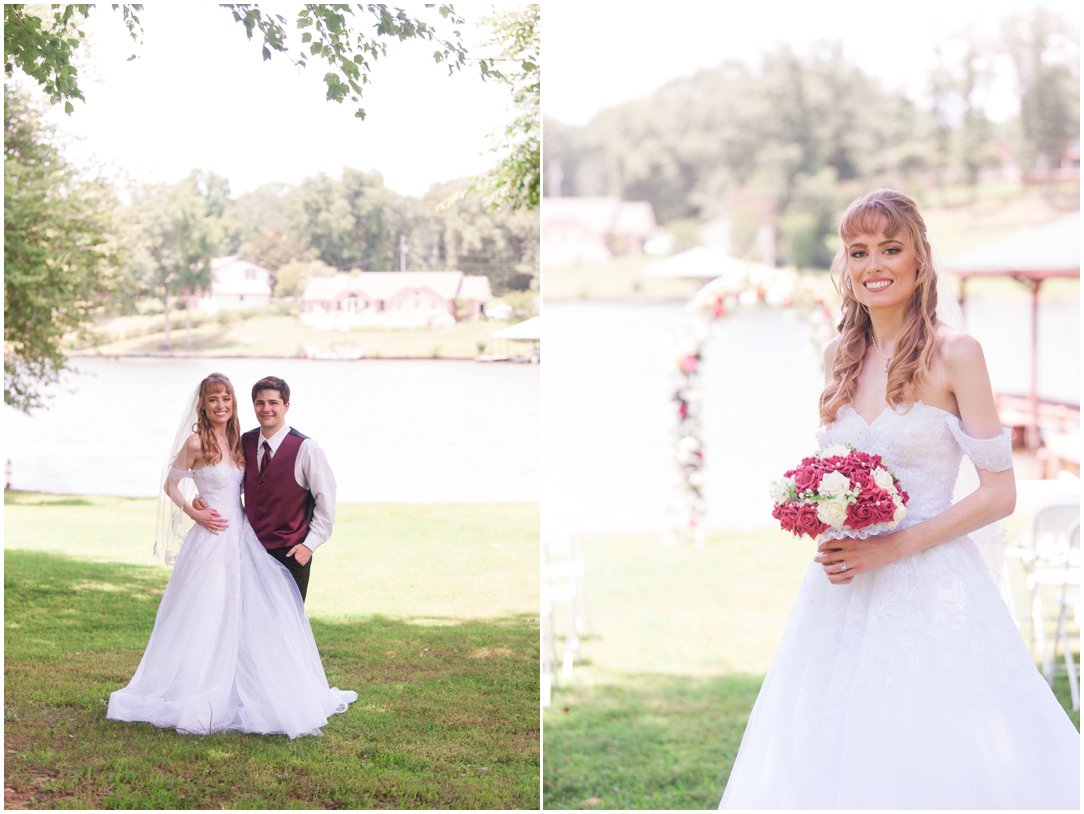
x=278 y=510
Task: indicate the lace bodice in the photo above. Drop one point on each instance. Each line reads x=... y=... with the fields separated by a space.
x=220 y=486
x=923 y=445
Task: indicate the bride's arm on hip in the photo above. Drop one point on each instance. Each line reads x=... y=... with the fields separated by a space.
x=964 y=371
x=185 y=460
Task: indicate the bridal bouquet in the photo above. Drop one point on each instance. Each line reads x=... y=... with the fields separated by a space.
x=840 y=488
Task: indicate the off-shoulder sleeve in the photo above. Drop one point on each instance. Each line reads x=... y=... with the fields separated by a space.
x=992 y=454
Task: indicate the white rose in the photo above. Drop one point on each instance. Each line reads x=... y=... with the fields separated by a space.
x=836 y=450
x=832 y=512
x=901 y=512
x=834 y=484
x=782 y=490
x=882 y=478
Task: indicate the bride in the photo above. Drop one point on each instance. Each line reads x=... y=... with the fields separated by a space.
x=901 y=680
x=231 y=648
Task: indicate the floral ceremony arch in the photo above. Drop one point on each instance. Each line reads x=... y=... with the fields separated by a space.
x=754 y=286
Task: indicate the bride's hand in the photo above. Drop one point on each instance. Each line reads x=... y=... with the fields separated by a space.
x=207 y=517
x=842 y=559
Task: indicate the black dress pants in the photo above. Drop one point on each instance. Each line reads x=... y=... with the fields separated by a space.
x=300 y=573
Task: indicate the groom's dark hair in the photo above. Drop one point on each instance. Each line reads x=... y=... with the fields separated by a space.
x=272 y=383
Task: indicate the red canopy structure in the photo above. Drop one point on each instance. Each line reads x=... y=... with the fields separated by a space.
x=1030 y=257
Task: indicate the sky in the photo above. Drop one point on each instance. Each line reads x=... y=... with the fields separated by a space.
x=596 y=55
x=199 y=95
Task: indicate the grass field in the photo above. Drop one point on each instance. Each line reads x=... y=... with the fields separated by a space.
x=680 y=640
x=429 y=612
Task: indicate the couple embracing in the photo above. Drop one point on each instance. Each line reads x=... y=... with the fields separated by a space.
x=231 y=648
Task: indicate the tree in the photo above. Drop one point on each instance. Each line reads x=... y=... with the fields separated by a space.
x=182 y=229
x=60 y=253
x=43 y=49
x=335 y=34
x=975 y=130
x=273 y=250
x=1046 y=58
x=351 y=223
x=291 y=278
x=501 y=245
x=516 y=181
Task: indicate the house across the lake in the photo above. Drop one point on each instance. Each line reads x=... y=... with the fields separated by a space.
x=395 y=298
x=236 y=283
x=584 y=231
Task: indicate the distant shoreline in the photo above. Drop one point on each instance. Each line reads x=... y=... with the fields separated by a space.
x=85 y=354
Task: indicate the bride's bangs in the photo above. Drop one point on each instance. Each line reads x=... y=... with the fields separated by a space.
x=871 y=218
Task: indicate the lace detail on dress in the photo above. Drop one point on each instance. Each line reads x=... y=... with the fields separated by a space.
x=992 y=454
x=909 y=687
x=861 y=534
x=923 y=446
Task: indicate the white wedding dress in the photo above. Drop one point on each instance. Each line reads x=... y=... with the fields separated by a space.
x=911 y=686
x=231 y=648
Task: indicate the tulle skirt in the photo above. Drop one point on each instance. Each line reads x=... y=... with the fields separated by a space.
x=908 y=688
x=231 y=648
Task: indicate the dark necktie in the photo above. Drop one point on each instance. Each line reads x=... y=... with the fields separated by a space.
x=266 y=457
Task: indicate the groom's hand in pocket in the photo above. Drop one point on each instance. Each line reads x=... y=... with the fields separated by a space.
x=300 y=553
x=208 y=517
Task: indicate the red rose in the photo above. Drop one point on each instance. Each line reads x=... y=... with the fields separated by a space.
x=849 y=466
x=884 y=510
x=787 y=515
x=806 y=477
x=860 y=514
x=862 y=479
x=808 y=522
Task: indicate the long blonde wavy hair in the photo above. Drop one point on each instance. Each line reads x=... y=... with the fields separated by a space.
x=203 y=427
x=891 y=212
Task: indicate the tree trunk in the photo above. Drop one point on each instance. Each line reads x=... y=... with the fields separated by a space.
x=166 y=343
x=188 y=322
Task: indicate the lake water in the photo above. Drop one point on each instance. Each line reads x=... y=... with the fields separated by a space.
x=442 y=431
x=607 y=415
x=400 y=431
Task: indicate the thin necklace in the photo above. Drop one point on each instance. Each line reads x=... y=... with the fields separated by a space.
x=876 y=347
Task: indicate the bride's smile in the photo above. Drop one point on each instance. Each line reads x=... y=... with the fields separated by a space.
x=219 y=406
x=883 y=270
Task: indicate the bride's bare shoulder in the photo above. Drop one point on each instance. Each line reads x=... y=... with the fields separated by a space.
x=957 y=348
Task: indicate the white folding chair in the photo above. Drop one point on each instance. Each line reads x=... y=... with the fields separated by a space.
x=1069 y=602
x=1053 y=569
x=564 y=603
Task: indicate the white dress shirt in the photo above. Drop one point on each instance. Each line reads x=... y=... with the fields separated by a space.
x=312 y=472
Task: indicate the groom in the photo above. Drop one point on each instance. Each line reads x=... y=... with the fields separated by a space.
x=289 y=486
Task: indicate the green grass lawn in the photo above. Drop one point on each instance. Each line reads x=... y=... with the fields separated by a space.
x=679 y=642
x=429 y=612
